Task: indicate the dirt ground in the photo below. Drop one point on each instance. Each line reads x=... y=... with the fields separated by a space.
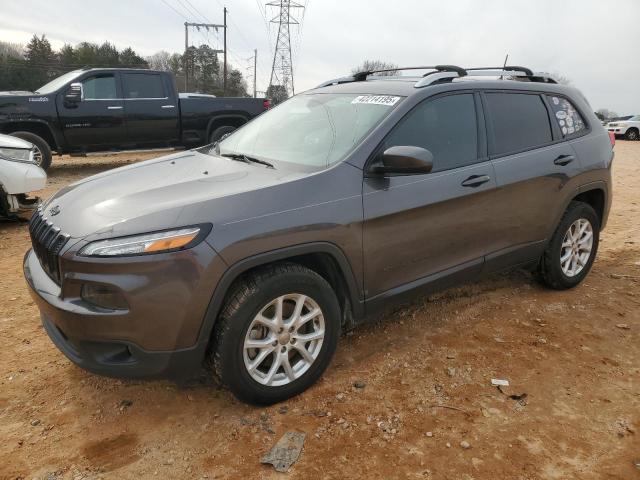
x=426 y=371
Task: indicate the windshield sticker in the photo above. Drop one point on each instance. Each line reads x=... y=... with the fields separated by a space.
x=376 y=99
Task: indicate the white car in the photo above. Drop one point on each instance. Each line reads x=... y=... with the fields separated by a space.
x=630 y=128
x=19 y=175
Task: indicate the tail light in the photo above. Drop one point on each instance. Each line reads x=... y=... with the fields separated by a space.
x=266 y=104
x=612 y=139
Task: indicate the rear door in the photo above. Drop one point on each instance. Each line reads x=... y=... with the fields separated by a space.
x=534 y=167
x=425 y=225
x=97 y=121
x=151 y=109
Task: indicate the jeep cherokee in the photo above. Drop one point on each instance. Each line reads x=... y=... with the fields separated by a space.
x=251 y=255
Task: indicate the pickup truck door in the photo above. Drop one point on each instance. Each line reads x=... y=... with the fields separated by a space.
x=151 y=109
x=97 y=121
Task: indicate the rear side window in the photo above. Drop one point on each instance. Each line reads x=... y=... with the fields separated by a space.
x=446 y=126
x=568 y=118
x=102 y=87
x=143 y=85
x=520 y=122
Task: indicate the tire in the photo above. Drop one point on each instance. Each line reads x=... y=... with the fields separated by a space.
x=42 y=147
x=632 y=134
x=219 y=132
x=552 y=267
x=254 y=294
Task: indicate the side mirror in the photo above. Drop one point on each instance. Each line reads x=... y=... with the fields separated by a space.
x=404 y=160
x=74 y=94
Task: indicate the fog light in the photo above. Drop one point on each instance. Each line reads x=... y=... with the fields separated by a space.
x=103 y=296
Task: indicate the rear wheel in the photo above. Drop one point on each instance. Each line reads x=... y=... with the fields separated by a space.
x=632 y=134
x=573 y=247
x=219 y=132
x=277 y=333
x=42 y=153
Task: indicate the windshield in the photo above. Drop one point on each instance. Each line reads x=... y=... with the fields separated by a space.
x=310 y=130
x=635 y=118
x=56 y=83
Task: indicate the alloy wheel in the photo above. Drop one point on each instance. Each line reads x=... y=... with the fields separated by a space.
x=37 y=156
x=283 y=340
x=576 y=247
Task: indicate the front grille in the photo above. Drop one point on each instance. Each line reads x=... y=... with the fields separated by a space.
x=47 y=242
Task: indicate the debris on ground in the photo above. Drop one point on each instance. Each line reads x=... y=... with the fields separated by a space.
x=286 y=452
x=497 y=382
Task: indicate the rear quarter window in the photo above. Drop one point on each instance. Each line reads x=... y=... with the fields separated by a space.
x=569 y=119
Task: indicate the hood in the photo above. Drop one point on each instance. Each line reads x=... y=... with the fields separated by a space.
x=166 y=192
x=16 y=93
x=7 y=141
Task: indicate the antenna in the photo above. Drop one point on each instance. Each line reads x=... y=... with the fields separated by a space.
x=504 y=65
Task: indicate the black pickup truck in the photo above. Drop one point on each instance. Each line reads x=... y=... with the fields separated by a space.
x=119 y=109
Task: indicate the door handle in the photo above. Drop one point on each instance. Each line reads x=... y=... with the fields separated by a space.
x=168 y=106
x=114 y=107
x=563 y=160
x=475 y=180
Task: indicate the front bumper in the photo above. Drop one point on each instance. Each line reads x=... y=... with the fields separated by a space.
x=150 y=339
x=617 y=130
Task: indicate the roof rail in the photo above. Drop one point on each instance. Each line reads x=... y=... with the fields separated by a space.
x=445 y=73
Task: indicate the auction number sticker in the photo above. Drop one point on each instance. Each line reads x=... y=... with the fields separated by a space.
x=376 y=99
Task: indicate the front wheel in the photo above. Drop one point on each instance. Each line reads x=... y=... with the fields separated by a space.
x=276 y=334
x=42 y=151
x=573 y=247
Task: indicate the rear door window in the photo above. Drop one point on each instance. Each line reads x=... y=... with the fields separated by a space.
x=143 y=85
x=519 y=122
x=569 y=119
x=446 y=126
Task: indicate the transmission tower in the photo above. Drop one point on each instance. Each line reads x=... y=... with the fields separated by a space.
x=282 y=69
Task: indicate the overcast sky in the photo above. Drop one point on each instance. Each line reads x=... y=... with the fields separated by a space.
x=595 y=43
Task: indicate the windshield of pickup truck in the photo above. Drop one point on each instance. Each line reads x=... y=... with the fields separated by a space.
x=310 y=130
x=56 y=83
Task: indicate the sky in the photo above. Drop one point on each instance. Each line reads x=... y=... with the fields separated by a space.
x=594 y=43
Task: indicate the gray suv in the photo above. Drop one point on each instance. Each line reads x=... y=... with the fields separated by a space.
x=250 y=256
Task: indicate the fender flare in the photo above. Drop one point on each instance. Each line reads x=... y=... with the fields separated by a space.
x=597 y=185
x=7 y=126
x=221 y=116
x=242 y=266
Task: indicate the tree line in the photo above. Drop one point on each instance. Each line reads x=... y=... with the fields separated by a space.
x=30 y=67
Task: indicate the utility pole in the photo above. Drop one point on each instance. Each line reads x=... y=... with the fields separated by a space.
x=224 y=81
x=282 y=67
x=255 y=70
x=186 y=48
x=214 y=26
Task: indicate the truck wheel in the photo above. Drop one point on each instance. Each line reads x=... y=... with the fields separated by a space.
x=632 y=134
x=277 y=333
x=42 y=154
x=219 y=132
x=573 y=247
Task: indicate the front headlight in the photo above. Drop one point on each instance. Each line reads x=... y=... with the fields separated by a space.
x=17 y=154
x=143 y=244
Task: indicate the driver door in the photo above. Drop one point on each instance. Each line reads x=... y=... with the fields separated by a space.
x=97 y=121
x=419 y=228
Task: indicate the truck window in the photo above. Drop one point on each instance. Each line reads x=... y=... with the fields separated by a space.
x=520 y=122
x=100 y=87
x=143 y=85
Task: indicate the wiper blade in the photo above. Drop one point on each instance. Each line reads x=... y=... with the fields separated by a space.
x=245 y=158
